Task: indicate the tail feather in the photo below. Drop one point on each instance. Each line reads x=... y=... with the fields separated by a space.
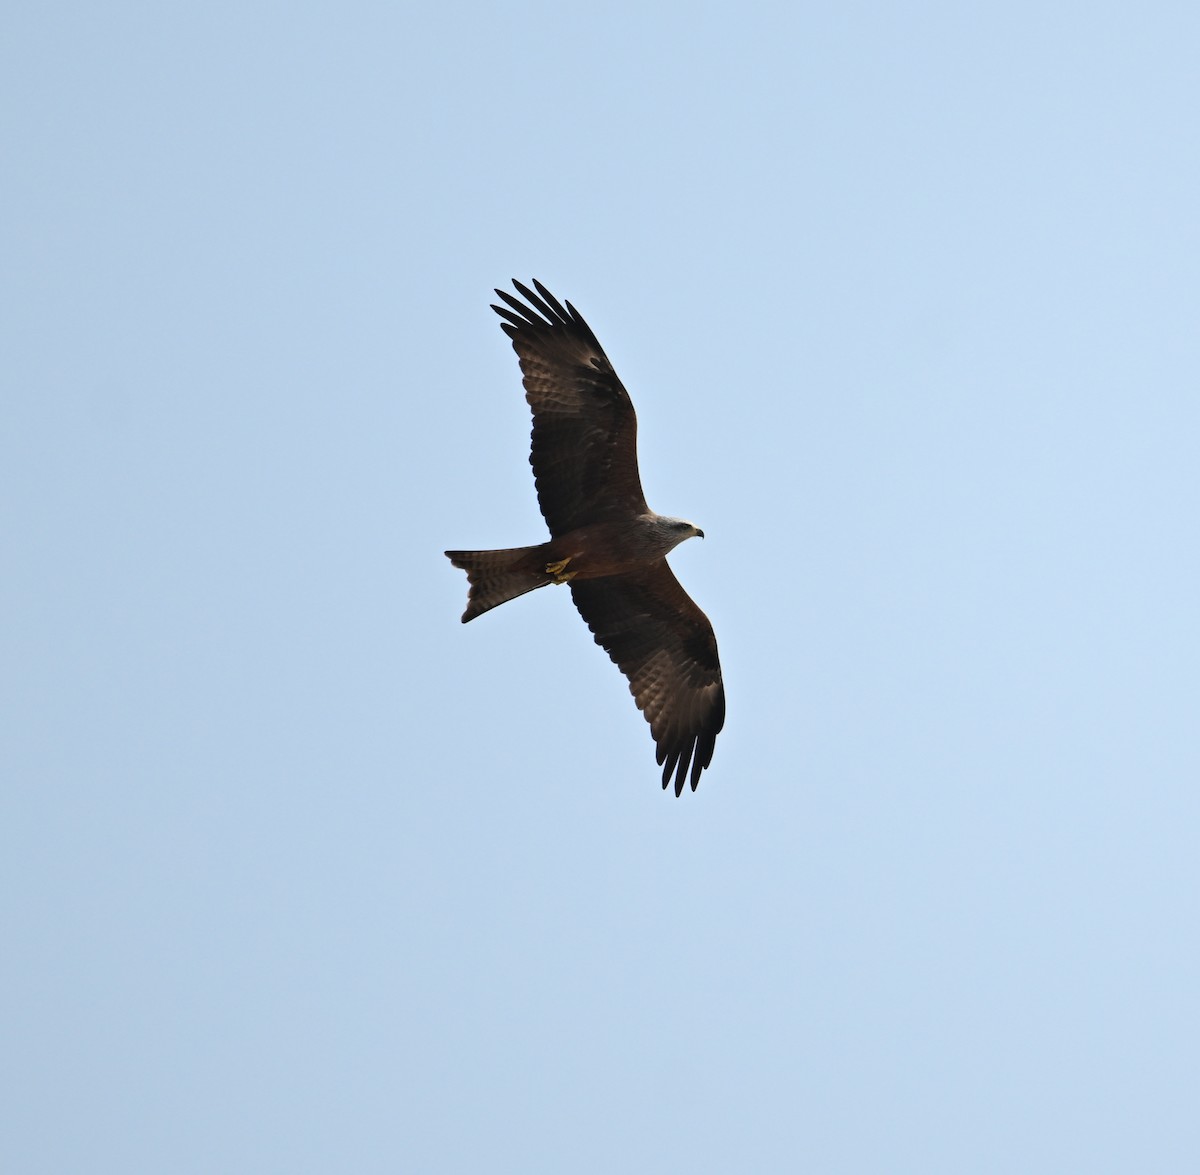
x=499 y=576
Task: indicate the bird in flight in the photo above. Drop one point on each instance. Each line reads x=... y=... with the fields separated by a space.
x=606 y=544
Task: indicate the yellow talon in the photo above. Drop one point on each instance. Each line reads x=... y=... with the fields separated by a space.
x=560 y=572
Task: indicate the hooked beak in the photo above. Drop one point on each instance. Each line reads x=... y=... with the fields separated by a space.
x=699 y=533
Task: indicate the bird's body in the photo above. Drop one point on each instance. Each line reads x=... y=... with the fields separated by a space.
x=589 y=552
x=605 y=541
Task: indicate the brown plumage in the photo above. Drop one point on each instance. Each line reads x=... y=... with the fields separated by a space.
x=604 y=540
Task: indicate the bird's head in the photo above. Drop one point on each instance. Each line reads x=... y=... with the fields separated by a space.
x=680 y=529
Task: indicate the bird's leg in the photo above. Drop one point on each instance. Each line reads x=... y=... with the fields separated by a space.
x=560 y=572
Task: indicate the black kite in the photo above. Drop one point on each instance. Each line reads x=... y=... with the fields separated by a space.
x=604 y=540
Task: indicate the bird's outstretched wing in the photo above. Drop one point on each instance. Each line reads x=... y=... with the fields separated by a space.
x=665 y=645
x=584 y=443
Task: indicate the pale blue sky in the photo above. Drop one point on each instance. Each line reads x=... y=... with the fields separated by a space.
x=302 y=875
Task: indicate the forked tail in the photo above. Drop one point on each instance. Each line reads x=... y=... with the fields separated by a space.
x=499 y=576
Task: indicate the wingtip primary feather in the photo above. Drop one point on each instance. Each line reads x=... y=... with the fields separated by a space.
x=544 y=302
x=675 y=765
